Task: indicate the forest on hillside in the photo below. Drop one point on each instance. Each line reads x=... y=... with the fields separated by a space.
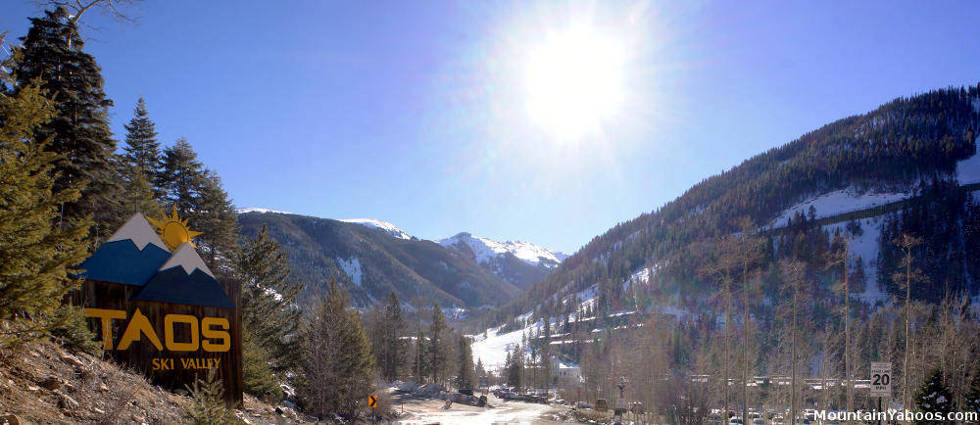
x=714 y=291
x=66 y=184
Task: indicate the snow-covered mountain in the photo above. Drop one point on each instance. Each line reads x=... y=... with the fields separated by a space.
x=521 y=263
x=484 y=250
x=384 y=226
x=371 y=258
x=260 y=210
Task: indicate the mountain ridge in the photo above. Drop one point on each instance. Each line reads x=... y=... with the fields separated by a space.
x=916 y=148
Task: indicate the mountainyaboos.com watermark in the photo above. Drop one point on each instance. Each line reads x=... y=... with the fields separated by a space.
x=894 y=415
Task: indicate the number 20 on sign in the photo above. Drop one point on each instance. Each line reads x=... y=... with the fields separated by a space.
x=881 y=379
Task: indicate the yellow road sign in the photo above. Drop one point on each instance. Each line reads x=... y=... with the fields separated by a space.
x=373 y=400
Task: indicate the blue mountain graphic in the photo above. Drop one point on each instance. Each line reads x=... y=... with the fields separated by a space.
x=173 y=285
x=122 y=262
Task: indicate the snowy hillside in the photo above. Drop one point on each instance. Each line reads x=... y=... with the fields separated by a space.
x=839 y=202
x=968 y=170
x=484 y=250
x=385 y=226
x=260 y=210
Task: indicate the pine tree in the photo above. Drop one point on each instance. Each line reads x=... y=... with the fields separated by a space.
x=142 y=150
x=464 y=378
x=258 y=377
x=337 y=364
x=934 y=396
x=36 y=255
x=79 y=129
x=479 y=370
x=545 y=353
x=181 y=178
x=437 y=351
x=392 y=350
x=269 y=311
x=972 y=398
x=515 y=368
x=141 y=163
x=139 y=195
x=207 y=406
x=215 y=216
x=420 y=365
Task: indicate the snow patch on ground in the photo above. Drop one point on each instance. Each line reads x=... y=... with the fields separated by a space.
x=866 y=247
x=384 y=226
x=838 y=202
x=261 y=211
x=454 y=313
x=484 y=250
x=493 y=349
x=352 y=268
x=968 y=170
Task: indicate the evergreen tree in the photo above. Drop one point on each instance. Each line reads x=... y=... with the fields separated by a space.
x=36 y=255
x=268 y=308
x=79 y=128
x=515 y=368
x=392 y=353
x=464 y=378
x=258 y=377
x=934 y=396
x=337 y=364
x=207 y=406
x=215 y=216
x=437 y=351
x=141 y=163
x=139 y=195
x=479 y=370
x=181 y=179
x=420 y=365
x=545 y=353
x=198 y=195
x=142 y=150
x=972 y=398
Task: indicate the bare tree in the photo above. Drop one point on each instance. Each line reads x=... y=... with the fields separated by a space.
x=841 y=259
x=721 y=268
x=747 y=255
x=907 y=242
x=114 y=8
x=794 y=273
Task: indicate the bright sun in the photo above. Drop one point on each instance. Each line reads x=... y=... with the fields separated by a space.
x=574 y=81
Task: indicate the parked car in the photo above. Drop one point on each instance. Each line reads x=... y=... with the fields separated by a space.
x=735 y=420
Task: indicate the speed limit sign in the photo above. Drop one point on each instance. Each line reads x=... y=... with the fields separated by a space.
x=881 y=379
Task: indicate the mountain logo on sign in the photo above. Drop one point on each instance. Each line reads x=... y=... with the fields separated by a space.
x=168 y=270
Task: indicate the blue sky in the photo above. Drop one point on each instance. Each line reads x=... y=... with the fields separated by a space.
x=416 y=112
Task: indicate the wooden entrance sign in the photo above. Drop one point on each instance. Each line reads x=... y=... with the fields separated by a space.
x=159 y=309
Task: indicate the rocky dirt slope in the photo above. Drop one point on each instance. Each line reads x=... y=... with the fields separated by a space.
x=42 y=383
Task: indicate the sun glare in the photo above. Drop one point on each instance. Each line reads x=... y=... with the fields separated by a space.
x=574 y=81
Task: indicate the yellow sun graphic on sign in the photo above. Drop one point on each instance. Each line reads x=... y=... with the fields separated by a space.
x=173 y=230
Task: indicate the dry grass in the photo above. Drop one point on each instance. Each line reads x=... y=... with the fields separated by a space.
x=42 y=383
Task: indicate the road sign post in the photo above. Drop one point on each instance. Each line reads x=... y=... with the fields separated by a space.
x=881 y=382
x=373 y=403
x=881 y=379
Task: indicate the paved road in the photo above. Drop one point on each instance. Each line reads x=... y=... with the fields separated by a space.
x=510 y=412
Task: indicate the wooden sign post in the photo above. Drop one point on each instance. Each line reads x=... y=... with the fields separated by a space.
x=159 y=309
